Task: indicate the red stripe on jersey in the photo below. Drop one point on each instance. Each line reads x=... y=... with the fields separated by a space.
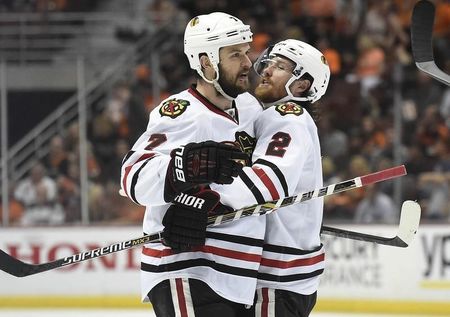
x=206 y=249
x=267 y=182
x=128 y=169
x=295 y=263
x=208 y=104
x=181 y=298
x=265 y=302
x=124 y=180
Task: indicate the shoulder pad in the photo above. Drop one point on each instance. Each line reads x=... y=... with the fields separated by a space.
x=173 y=107
x=289 y=108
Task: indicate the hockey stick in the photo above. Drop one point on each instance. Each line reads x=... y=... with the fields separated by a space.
x=421 y=40
x=407 y=229
x=18 y=268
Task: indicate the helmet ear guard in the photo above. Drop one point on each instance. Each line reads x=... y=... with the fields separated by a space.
x=308 y=61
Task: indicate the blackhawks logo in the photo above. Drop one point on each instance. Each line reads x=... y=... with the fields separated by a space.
x=289 y=108
x=173 y=108
x=246 y=142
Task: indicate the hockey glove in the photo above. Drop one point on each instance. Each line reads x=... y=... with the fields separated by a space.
x=202 y=163
x=186 y=219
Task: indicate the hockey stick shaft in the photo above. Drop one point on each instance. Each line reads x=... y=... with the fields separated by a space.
x=421 y=40
x=273 y=205
x=18 y=268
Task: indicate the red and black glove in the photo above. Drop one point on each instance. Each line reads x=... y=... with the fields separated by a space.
x=186 y=219
x=200 y=164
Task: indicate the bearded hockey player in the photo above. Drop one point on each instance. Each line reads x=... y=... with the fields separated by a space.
x=286 y=160
x=183 y=149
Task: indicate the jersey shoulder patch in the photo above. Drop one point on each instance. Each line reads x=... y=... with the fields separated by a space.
x=173 y=107
x=289 y=108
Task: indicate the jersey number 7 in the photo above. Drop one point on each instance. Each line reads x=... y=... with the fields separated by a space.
x=155 y=140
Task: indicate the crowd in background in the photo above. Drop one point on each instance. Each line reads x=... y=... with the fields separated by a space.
x=367 y=45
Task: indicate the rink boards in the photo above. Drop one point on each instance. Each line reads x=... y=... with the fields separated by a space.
x=359 y=276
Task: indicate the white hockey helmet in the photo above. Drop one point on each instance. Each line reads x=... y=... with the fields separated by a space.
x=307 y=60
x=207 y=34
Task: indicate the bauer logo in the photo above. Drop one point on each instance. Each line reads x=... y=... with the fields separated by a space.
x=173 y=108
x=289 y=108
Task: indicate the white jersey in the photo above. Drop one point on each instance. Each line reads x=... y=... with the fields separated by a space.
x=230 y=259
x=286 y=161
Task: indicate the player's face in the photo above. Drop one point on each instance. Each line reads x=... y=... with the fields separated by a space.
x=273 y=79
x=234 y=68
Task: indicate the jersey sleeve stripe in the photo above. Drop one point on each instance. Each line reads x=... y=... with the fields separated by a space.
x=267 y=182
x=124 y=180
x=231 y=254
x=199 y=262
x=294 y=263
x=128 y=169
x=277 y=172
x=289 y=250
x=288 y=278
x=126 y=157
x=135 y=179
x=235 y=239
x=255 y=191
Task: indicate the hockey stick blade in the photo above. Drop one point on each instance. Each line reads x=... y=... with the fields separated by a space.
x=421 y=40
x=409 y=224
x=18 y=268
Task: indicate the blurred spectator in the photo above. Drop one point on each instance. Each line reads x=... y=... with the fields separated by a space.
x=38 y=194
x=334 y=142
x=434 y=192
x=331 y=55
x=15 y=209
x=57 y=161
x=376 y=207
x=111 y=170
x=117 y=108
x=69 y=193
x=342 y=206
x=445 y=107
x=370 y=64
x=423 y=93
x=431 y=130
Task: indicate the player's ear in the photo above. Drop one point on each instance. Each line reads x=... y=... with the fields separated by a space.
x=207 y=66
x=300 y=86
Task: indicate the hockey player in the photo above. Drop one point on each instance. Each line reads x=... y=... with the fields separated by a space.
x=286 y=161
x=219 y=277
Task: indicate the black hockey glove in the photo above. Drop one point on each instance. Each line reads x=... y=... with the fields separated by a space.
x=202 y=163
x=186 y=219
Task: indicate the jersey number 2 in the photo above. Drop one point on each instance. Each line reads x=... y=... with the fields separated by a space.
x=280 y=141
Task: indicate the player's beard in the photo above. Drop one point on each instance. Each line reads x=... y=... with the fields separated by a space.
x=269 y=93
x=232 y=86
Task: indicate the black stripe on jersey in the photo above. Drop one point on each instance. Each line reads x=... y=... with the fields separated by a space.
x=235 y=239
x=135 y=178
x=255 y=191
x=289 y=250
x=181 y=265
x=126 y=157
x=277 y=172
x=288 y=278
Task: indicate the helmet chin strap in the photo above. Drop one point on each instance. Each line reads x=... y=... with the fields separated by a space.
x=289 y=96
x=215 y=83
